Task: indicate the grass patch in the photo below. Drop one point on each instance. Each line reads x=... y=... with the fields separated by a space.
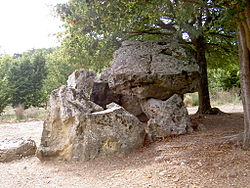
x=231 y=96
x=31 y=114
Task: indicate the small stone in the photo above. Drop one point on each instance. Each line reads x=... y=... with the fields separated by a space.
x=160 y=158
x=116 y=175
x=176 y=179
x=232 y=175
x=163 y=173
x=183 y=164
x=201 y=127
x=199 y=164
x=149 y=176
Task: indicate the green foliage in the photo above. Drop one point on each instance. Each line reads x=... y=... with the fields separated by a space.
x=58 y=67
x=25 y=79
x=95 y=29
x=220 y=79
x=191 y=99
x=230 y=96
x=223 y=69
x=5 y=62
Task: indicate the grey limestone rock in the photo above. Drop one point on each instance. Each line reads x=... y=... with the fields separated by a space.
x=82 y=80
x=153 y=69
x=166 y=118
x=78 y=129
x=14 y=149
x=145 y=80
x=113 y=131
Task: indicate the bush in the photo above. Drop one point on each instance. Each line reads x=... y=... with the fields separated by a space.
x=223 y=80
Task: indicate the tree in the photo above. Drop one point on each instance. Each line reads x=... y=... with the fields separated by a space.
x=59 y=67
x=96 y=28
x=243 y=19
x=5 y=62
x=25 y=79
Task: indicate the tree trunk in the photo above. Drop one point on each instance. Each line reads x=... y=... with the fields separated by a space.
x=244 y=52
x=204 y=99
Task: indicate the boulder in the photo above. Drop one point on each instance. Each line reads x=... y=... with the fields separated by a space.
x=141 y=92
x=166 y=118
x=79 y=129
x=153 y=69
x=113 y=131
x=14 y=149
x=66 y=104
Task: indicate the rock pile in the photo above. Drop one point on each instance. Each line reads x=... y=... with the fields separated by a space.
x=141 y=93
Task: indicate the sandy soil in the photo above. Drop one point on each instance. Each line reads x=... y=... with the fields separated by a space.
x=198 y=159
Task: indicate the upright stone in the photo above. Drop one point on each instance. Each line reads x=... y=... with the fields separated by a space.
x=66 y=104
x=166 y=118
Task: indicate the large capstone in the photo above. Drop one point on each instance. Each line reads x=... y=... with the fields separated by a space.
x=153 y=69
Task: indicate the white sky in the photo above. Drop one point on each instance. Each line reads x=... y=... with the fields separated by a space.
x=27 y=24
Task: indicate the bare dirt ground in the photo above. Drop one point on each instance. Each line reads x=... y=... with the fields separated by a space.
x=198 y=159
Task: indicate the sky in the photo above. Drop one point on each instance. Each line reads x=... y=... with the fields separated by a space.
x=28 y=24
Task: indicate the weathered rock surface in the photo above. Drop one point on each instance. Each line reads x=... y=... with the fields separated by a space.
x=145 y=80
x=16 y=149
x=166 y=118
x=78 y=129
x=133 y=105
x=110 y=132
x=153 y=69
x=87 y=136
x=82 y=80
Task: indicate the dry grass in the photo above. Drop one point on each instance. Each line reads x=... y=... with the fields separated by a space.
x=19 y=114
x=231 y=96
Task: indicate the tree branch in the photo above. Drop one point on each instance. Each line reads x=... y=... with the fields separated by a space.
x=221 y=35
x=136 y=33
x=169 y=27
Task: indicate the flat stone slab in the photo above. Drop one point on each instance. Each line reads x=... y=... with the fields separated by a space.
x=13 y=149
